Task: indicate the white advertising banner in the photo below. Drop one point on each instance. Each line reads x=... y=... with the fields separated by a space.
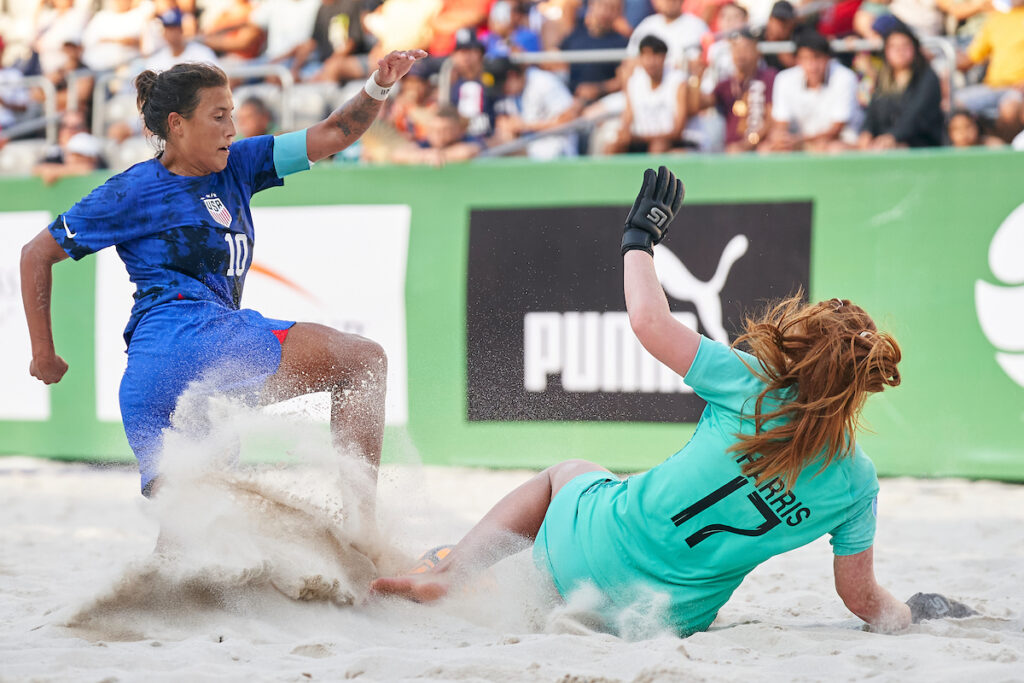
x=341 y=266
x=23 y=397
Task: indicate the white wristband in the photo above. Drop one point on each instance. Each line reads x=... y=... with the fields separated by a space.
x=374 y=90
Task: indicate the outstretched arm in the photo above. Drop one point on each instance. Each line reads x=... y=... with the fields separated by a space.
x=860 y=592
x=346 y=124
x=37 y=259
x=661 y=334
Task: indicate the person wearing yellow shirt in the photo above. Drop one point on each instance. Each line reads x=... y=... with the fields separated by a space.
x=1000 y=43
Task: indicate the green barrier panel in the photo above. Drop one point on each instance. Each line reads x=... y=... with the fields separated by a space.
x=906 y=235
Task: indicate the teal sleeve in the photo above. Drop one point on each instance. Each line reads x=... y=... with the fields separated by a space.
x=290 y=153
x=857 y=533
x=719 y=375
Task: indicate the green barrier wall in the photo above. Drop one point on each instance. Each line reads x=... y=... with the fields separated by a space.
x=905 y=235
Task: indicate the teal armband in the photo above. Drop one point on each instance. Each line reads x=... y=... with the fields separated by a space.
x=290 y=153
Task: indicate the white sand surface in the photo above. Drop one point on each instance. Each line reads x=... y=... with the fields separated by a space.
x=76 y=547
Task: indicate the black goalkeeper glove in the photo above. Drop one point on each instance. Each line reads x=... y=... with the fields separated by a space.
x=934 y=606
x=659 y=200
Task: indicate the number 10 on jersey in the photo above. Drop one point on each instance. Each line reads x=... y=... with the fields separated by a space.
x=238 y=253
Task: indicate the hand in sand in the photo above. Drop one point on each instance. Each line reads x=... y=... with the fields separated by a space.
x=415 y=587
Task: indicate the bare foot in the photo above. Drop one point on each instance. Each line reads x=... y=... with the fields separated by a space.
x=418 y=589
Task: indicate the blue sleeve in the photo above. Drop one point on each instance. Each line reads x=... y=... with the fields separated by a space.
x=106 y=216
x=720 y=376
x=255 y=161
x=857 y=532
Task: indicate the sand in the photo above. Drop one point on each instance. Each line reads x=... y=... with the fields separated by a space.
x=269 y=591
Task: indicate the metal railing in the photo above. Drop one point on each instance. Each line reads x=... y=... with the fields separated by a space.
x=243 y=71
x=942 y=45
x=49 y=117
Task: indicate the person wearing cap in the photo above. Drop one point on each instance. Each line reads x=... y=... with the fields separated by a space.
x=814 y=104
x=471 y=97
x=743 y=99
x=906 y=105
x=534 y=101
x=1000 y=45
x=178 y=49
x=780 y=26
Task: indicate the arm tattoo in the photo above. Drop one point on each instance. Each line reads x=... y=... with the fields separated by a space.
x=355 y=116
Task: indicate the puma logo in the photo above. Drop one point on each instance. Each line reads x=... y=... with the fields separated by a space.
x=680 y=284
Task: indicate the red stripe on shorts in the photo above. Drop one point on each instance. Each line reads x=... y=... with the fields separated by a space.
x=281 y=334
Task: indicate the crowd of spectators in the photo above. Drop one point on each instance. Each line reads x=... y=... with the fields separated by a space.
x=686 y=76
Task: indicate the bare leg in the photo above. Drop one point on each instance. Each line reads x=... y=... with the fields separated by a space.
x=352 y=368
x=521 y=512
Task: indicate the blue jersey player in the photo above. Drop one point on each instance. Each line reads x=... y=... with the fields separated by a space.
x=181 y=224
x=772 y=465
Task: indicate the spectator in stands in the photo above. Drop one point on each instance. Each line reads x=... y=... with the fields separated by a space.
x=413 y=107
x=744 y=98
x=964 y=130
x=178 y=49
x=227 y=30
x=348 y=58
x=14 y=97
x=508 y=30
x=76 y=152
x=924 y=17
x=254 y=118
x=589 y=82
x=471 y=98
x=60 y=77
x=534 y=101
x=447 y=141
x=113 y=36
x=717 y=64
x=680 y=31
x=56 y=22
x=906 y=105
x=814 y=104
x=655 y=113
x=1000 y=43
x=781 y=26
x=288 y=25
x=455 y=16
x=403 y=23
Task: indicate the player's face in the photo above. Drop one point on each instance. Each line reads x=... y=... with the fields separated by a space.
x=207 y=134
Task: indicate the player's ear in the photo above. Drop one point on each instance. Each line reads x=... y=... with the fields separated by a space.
x=175 y=122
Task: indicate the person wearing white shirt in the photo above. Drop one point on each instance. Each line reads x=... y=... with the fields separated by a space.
x=178 y=49
x=655 y=104
x=682 y=33
x=814 y=104
x=113 y=36
x=55 y=26
x=535 y=100
x=287 y=23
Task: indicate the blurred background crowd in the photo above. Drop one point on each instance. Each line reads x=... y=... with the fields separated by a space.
x=542 y=78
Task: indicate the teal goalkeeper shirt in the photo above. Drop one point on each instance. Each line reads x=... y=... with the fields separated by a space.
x=694 y=526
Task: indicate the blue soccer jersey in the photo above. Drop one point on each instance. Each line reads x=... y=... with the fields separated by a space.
x=187 y=244
x=181 y=237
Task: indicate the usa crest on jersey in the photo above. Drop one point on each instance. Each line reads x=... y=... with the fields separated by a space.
x=217 y=210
